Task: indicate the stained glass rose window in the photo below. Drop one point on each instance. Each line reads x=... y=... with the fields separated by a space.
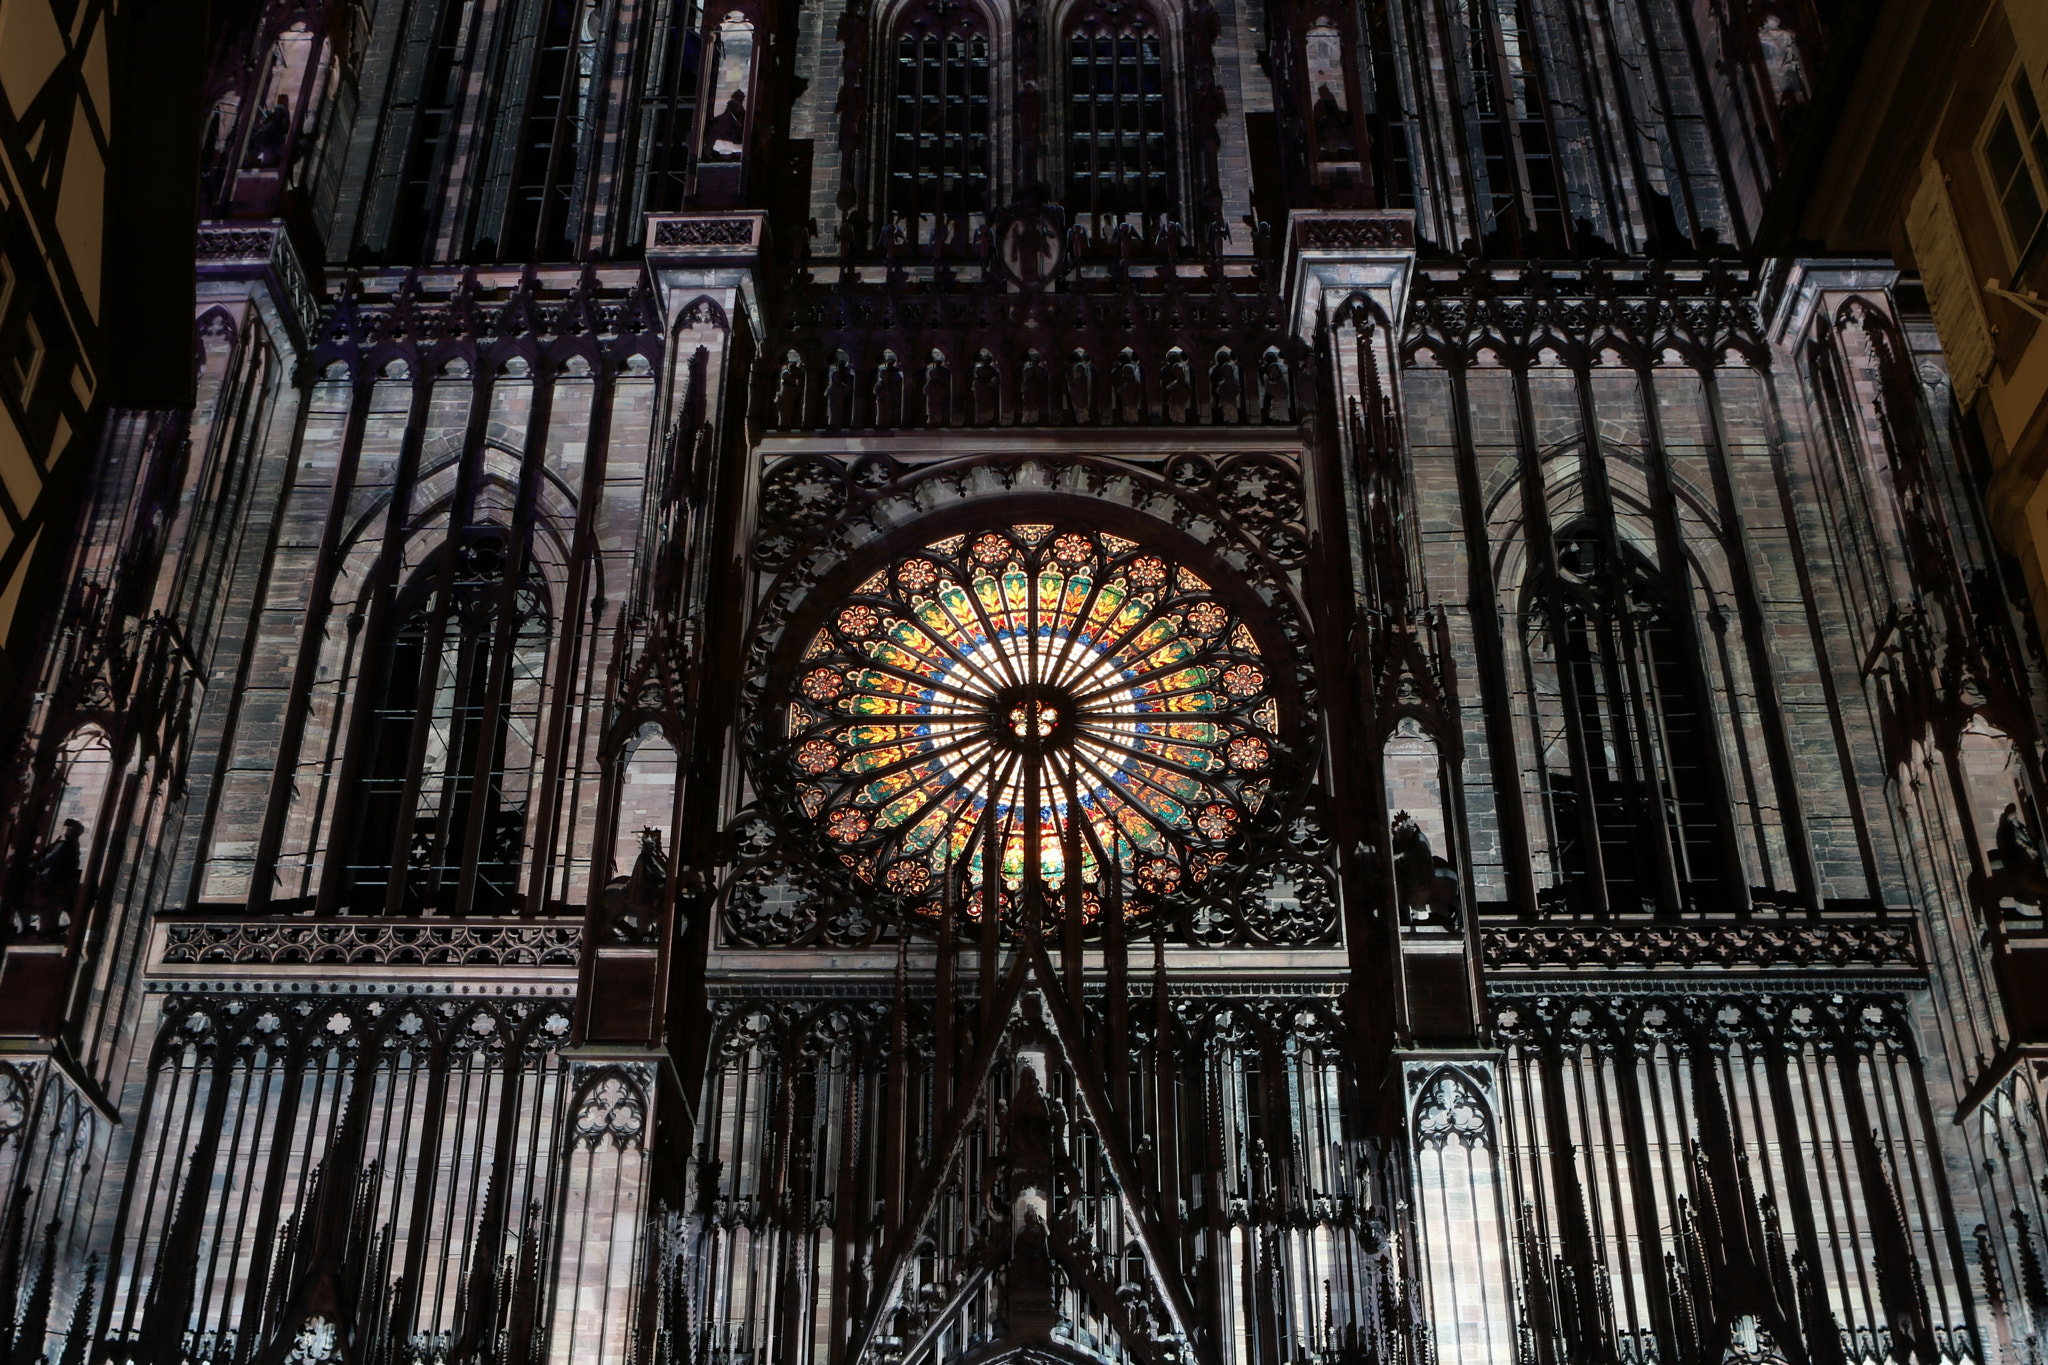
x=1032 y=668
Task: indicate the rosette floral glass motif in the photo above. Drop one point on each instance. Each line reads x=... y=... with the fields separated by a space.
x=1033 y=685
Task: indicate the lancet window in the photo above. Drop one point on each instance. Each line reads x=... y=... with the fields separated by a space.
x=666 y=116
x=939 y=148
x=430 y=131
x=451 y=731
x=1626 y=734
x=1521 y=196
x=541 y=225
x=1119 y=155
x=1387 y=117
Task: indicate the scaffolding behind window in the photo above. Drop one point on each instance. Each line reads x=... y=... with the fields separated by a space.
x=666 y=112
x=1119 y=166
x=1387 y=117
x=1618 y=686
x=1521 y=198
x=938 y=164
x=431 y=132
x=452 y=744
x=547 y=189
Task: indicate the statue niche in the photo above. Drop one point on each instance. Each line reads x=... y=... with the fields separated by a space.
x=1426 y=880
x=721 y=166
x=1329 y=89
x=2017 y=874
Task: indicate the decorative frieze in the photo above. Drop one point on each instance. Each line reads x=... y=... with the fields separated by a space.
x=1860 y=944
x=723 y=231
x=1355 y=232
x=300 y=941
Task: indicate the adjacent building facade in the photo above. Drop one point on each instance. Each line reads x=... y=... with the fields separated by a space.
x=1159 y=681
x=55 y=140
x=1950 y=174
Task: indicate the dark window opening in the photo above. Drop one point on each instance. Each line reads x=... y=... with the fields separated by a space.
x=452 y=736
x=542 y=221
x=1521 y=197
x=667 y=113
x=939 y=134
x=1645 y=730
x=2016 y=156
x=1119 y=166
x=1386 y=117
x=433 y=126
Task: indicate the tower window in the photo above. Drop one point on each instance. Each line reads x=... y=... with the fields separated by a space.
x=667 y=110
x=432 y=130
x=939 y=127
x=1618 y=689
x=452 y=744
x=544 y=205
x=1524 y=210
x=1118 y=162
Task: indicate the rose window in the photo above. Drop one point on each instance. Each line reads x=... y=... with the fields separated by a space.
x=1033 y=688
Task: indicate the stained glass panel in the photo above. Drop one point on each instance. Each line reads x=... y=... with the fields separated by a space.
x=1032 y=685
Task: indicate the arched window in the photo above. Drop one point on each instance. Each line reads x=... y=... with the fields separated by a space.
x=545 y=197
x=1523 y=200
x=938 y=158
x=1119 y=157
x=428 y=118
x=666 y=112
x=1626 y=733
x=452 y=731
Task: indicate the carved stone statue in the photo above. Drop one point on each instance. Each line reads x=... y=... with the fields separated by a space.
x=1127 y=386
x=632 y=903
x=1219 y=235
x=1077 y=241
x=273 y=129
x=1335 y=138
x=727 y=134
x=1177 y=386
x=889 y=392
x=1081 y=386
x=984 y=382
x=1031 y=1165
x=938 y=390
x=1226 y=389
x=2020 y=874
x=1427 y=883
x=1276 y=394
x=1127 y=239
x=52 y=886
x=839 y=393
x=1032 y=386
x=789 y=392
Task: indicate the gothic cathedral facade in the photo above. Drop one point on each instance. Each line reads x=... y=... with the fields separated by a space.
x=1216 y=682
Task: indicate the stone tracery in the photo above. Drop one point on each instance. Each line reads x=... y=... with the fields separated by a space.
x=1059 y=690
